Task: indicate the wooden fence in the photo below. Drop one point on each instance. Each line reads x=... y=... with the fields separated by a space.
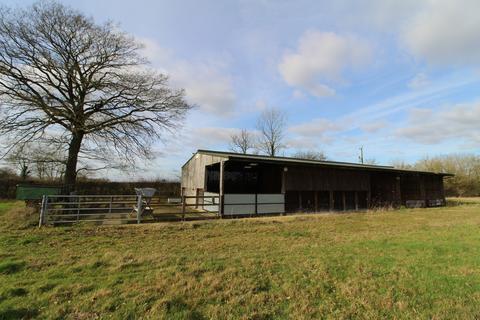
x=120 y=209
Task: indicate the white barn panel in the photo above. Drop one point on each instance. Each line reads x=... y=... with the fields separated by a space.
x=270 y=203
x=238 y=204
x=244 y=204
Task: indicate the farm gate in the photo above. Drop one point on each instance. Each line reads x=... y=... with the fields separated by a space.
x=122 y=209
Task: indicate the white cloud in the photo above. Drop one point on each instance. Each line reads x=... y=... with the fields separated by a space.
x=206 y=83
x=210 y=136
x=405 y=101
x=261 y=105
x=207 y=87
x=372 y=127
x=315 y=127
x=445 y=32
x=297 y=94
x=320 y=59
x=420 y=81
x=428 y=126
x=301 y=143
x=311 y=132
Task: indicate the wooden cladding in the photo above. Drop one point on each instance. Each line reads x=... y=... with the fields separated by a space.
x=315 y=178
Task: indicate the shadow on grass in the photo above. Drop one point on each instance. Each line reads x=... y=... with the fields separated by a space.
x=178 y=309
x=20 y=313
x=10 y=267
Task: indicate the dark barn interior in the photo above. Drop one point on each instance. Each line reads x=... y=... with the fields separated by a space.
x=311 y=186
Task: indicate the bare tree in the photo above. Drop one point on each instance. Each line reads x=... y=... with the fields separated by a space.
x=21 y=164
x=371 y=161
x=242 y=142
x=271 y=126
x=401 y=164
x=310 y=155
x=6 y=172
x=81 y=86
x=43 y=161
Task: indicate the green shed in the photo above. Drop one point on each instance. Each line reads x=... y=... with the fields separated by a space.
x=35 y=192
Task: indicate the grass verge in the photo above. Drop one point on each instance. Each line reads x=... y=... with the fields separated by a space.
x=409 y=263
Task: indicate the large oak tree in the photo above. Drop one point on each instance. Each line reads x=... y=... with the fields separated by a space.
x=67 y=80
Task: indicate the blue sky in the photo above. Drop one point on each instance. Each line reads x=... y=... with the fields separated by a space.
x=400 y=78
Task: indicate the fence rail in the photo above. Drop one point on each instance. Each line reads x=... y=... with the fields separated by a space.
x=69 y=209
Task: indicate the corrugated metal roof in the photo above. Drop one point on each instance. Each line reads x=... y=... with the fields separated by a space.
x=256 y=157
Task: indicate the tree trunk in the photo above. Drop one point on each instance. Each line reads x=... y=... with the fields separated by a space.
x=71 y=166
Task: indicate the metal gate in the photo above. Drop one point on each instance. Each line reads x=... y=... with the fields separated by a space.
x=120 y=209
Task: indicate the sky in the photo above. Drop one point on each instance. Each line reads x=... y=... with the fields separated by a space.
x=400 y=78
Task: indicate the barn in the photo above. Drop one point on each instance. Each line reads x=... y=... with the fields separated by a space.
x=246 y=184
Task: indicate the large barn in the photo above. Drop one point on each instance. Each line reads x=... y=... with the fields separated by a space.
x=256 y=184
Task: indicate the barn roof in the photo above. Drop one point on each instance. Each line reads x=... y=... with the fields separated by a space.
x=290 y=160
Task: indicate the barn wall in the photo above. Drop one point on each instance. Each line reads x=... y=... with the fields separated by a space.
x=385 y=189
x=305 y=186
x=193 y=172
x=310 y=189
x=323 y=179
x=422 y=187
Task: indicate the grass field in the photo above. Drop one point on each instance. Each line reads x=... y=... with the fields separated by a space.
x=422 y=263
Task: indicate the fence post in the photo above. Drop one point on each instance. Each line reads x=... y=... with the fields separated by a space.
x=183 y=207
x=42 y=211
x=78 y=208
x=110 y=206
x=139 y=208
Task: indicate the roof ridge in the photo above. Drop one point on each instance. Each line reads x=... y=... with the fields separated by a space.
x=310 y=161
x=291 y=158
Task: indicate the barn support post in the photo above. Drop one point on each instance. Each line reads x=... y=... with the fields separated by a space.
x=442 y=191
x=356 y=200
x=331 y=201
x=344 y=200
x=221 y=204
x=300 y=206
x=398 y=193
x=315 y=193
x=423 y=193
x=369 y=199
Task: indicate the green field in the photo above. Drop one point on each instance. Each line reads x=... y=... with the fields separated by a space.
x=422 y=263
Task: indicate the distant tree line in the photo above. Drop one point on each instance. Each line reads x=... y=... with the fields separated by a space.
x=9 y=180
x=465 y=167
